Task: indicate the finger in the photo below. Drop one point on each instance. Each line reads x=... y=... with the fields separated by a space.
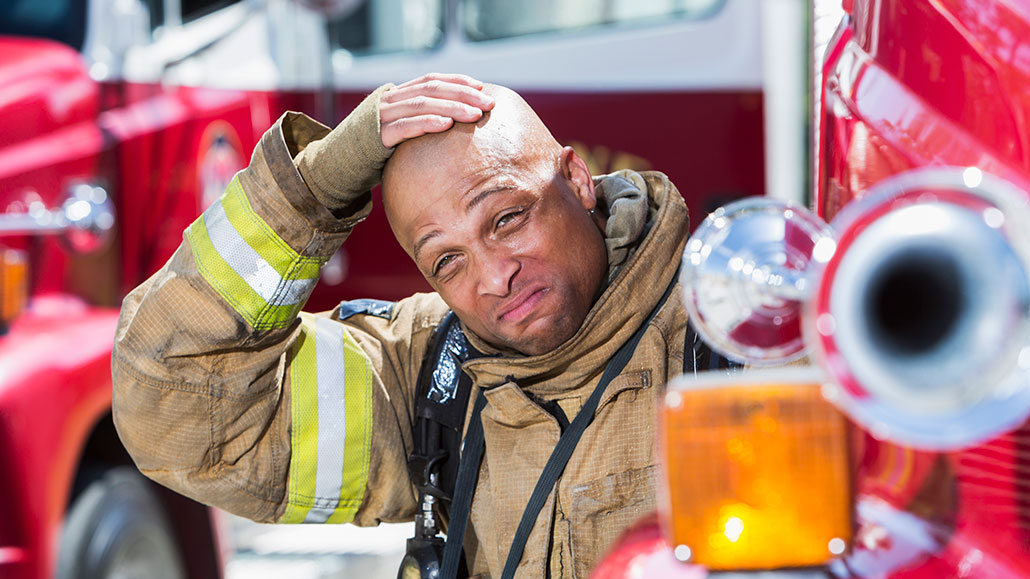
x=423 y=105
x=410 y=127
x=445 y=77
x=440 y=90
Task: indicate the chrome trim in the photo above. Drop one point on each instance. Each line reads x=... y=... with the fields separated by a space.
x=88 y=209
x=962 y=378
x=745 y=276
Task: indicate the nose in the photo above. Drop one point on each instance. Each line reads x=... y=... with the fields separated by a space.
x=496 y=271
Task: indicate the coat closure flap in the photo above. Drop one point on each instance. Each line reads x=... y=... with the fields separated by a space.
x=509 y=406
x=636 y=380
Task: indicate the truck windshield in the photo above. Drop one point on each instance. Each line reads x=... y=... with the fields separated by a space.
x=60 y=20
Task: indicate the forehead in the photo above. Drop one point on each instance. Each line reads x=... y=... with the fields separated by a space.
x=432 y=186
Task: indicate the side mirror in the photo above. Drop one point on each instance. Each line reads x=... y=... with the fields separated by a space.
x=745 y=277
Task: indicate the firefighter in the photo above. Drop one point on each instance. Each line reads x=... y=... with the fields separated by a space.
x=226 y=392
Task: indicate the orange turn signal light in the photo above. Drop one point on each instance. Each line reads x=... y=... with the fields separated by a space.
x=757 y=470
x=14 y=283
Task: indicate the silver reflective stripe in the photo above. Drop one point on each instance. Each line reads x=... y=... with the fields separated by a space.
x=248 y=264
x=332 y=419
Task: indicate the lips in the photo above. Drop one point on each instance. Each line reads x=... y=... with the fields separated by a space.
x=523 y=304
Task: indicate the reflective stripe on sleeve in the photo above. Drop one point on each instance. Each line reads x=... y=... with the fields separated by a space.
x=248 y=264
x=331 y=399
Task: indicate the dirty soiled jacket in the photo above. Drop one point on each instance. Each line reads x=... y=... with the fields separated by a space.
x=225 y=392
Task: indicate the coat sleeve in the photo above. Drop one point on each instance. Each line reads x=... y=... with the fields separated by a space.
x=226 y=393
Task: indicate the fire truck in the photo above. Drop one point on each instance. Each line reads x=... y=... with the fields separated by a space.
x=897 y=443
x=123 y=119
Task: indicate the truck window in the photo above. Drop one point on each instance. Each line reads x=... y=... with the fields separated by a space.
x=494 y=19
x=60 y=20
x=380 y=26
x=193 y=9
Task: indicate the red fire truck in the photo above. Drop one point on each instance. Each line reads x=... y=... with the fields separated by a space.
x=122 y=119
x=903 y=450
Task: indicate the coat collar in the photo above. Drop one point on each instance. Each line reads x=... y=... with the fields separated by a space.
x=616 y=315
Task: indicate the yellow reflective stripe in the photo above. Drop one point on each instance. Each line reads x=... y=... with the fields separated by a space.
x=304 y=437
x=230 y=286
x=264 y=241
x=248 y=265
x=359 y=429
x=331 y=391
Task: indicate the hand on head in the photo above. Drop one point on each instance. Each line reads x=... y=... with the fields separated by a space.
x=430 y=104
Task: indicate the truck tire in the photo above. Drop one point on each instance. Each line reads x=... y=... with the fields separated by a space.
x=116 y=529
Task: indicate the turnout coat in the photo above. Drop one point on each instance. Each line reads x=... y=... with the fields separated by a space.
x=225 y=392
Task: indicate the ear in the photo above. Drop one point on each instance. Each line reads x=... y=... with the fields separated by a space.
x=576 y=173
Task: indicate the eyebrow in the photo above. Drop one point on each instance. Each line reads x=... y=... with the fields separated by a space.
x=484 y=194
x=422 y=241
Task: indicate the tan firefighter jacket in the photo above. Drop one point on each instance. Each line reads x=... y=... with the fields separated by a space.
x=226 y=393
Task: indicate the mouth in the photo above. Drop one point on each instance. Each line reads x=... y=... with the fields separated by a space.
x=523 y=305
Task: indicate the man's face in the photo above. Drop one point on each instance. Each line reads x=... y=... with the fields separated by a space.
x=505 y=236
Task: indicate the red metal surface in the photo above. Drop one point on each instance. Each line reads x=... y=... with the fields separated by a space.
x=55 y=384
x=155 y=141
x=913 y=84
x=44 y=85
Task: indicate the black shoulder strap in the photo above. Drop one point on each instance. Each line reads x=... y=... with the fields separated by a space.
x=468 y=473
x=443 y=396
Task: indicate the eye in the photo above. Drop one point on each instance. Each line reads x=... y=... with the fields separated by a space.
x=508 y=217
x=443 y=262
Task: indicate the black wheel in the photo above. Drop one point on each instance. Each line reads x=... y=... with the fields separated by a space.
x=116 y=529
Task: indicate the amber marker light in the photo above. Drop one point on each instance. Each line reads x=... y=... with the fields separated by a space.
x=14 y=281
x=757 y=470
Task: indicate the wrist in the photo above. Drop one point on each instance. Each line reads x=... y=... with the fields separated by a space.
x=343 y=165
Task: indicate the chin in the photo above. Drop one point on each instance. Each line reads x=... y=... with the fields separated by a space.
x=535 y=349
x=545 y=339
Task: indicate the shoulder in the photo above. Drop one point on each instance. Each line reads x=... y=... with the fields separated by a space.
x=419 y=312
x=368 y=307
